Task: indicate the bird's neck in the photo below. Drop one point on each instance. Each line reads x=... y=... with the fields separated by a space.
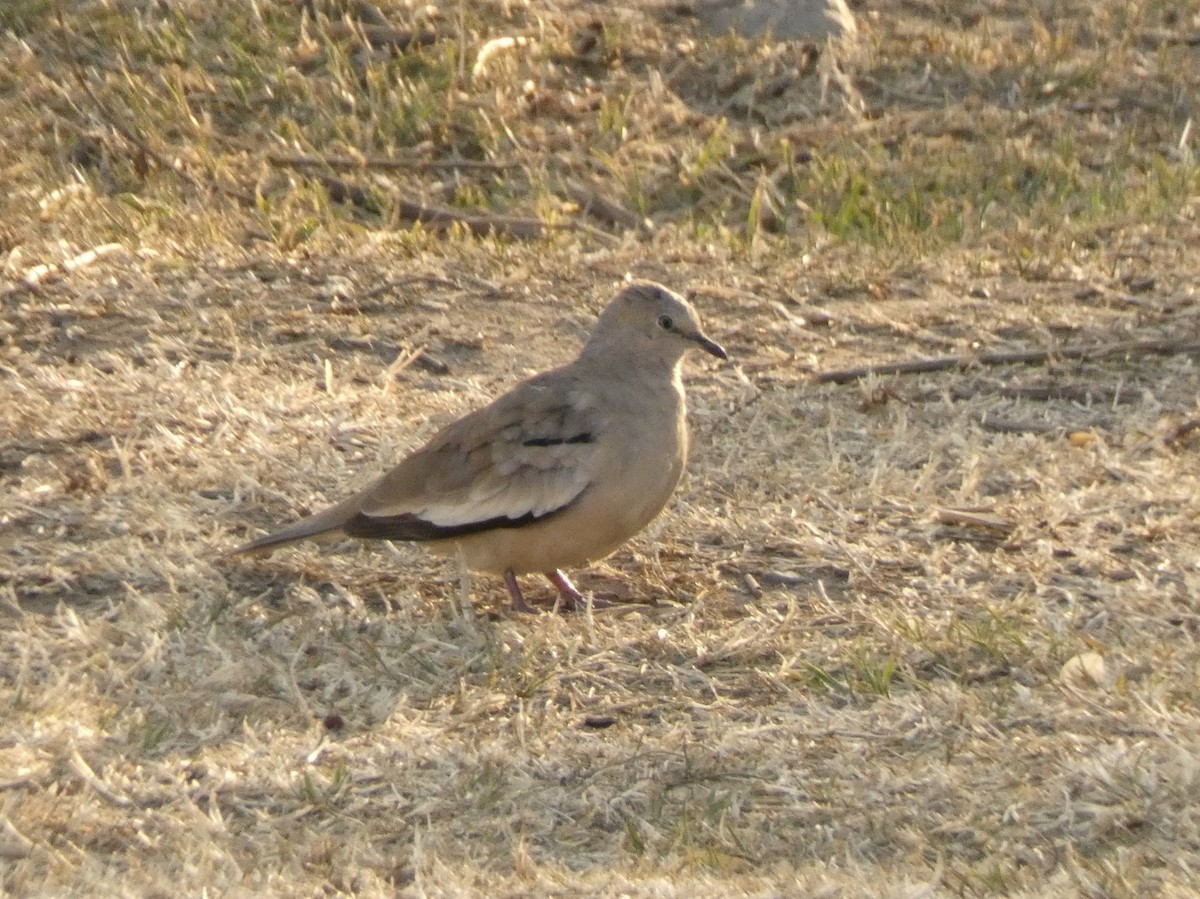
x=631 y=358
x=643 y=380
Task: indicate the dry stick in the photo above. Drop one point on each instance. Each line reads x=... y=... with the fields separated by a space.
x=1076 y=393
x=441 y=218
x=88 y=776
x=382 y=37
x=1009 y=357
x=341 y=192
x=389 y=163
x=369 y=14
x=1183 y=430
x=48 y=271
x=974 y=518
x=998 y=425
x=593 y=203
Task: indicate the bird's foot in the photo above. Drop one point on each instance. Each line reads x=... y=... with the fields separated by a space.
x=572 y=600
x=514 y=590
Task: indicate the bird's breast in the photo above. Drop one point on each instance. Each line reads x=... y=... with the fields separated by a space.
x=648 y=461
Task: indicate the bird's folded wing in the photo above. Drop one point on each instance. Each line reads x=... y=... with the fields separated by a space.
x=528 y=456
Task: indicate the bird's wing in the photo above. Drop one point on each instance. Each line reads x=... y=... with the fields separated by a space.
x=529 y=455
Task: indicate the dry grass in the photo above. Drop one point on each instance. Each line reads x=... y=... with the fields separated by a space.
x=917 y=636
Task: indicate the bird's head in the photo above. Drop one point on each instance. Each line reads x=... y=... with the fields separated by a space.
x=654 y=322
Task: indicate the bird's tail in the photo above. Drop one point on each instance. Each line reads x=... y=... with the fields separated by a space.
x=326 y=522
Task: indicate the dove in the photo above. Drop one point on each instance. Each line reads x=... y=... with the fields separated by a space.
x=558 y=472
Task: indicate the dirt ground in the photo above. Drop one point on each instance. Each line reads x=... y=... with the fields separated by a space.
x=906 y=634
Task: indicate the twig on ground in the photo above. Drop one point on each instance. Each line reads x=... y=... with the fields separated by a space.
x=369 y=14
x=975 y=518
x=49 y=271
x=1085 y=394
x=1181 y=431
x=342 y=192
x=442 y=218
x=382 y=37
x=998 y=425
x=593 y=203
x=88 y=776
x=1010 y=357
x=493 y=47
x=390 y=163
x=436 y=218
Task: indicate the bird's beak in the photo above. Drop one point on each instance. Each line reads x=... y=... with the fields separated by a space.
x=712 y=347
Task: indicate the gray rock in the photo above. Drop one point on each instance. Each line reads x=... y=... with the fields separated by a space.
x=785 y=20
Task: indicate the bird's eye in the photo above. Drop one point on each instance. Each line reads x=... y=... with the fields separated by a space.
x=665 y=322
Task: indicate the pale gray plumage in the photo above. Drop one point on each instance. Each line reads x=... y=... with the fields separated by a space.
x=560 y=471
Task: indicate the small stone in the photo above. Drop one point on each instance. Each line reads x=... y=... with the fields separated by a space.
x=333 y=721
x=1084 y=671
x=784 y=20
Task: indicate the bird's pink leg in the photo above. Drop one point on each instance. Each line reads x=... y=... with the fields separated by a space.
x=514 y=590
x=572 y=599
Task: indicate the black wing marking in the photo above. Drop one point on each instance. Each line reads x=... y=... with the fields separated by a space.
x=584 y=437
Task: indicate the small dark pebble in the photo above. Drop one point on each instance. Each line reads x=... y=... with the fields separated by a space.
x=333 y=721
